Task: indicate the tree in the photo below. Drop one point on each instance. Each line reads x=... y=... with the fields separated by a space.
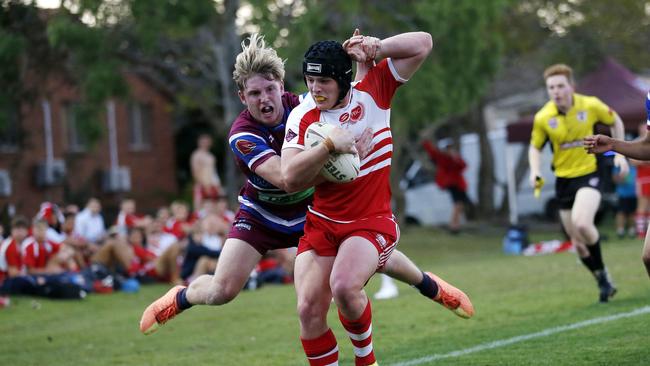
x=185 y=47
x=581 y=33
x=449 y=84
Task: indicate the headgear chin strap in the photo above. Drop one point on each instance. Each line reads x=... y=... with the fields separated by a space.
x=329 y=59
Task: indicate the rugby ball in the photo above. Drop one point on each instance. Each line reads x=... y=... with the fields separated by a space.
x=340 y=168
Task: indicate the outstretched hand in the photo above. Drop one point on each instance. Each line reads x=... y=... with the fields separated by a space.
x=596 y=144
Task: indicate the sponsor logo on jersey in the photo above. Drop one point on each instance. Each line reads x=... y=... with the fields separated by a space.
x=594 y=181
x=552 y=123
x=582 y=116
x=290 y=135
x=242 y=225
x=245 y=147
x=357 y=113
x=571 y=145
x=314 y=68
x=381 y=240
x=344 y=117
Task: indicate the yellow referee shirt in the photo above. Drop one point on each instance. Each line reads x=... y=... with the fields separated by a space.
x=566 y=131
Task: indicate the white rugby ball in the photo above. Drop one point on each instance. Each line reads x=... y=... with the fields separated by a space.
x=340 y=168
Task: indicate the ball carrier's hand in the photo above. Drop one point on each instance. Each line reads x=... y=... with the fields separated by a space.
x=362 y=48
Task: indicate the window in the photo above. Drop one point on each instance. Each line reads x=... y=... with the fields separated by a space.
x=77 y=141
x=139 y=126
x=9 y=130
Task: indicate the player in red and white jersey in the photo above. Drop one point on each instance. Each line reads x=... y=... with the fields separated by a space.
x=350 y=231
x=10 y=257
x=42 y=256
x=181 y=222
x=127 y=218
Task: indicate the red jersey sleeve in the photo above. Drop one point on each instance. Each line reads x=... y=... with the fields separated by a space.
x=381 y=82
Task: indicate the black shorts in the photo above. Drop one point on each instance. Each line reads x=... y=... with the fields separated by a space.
x=626 y=205
x=566 y=188
x=458 y=195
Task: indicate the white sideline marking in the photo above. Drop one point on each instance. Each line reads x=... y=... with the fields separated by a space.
x=525 y=337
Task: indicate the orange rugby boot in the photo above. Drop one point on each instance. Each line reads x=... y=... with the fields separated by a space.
x=452 y=298
x=160 y=311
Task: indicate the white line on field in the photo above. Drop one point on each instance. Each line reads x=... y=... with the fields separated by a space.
x=525 y=337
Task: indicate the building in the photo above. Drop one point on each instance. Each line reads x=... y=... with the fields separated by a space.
x=44 y=155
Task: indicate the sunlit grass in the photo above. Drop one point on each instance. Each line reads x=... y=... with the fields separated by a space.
x=513 y=296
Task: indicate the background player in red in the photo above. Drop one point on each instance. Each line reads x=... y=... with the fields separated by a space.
x=638 y=149
x=350 y=231
x=449 y=175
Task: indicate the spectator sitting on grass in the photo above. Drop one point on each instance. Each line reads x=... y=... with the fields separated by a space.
x=204 y=247
x=10 y=257
x=43 y=256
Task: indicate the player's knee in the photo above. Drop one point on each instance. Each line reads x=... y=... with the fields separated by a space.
x=311 y=309
x=344 y=290
x=583 y=227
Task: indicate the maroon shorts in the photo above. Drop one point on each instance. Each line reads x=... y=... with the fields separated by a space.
x=247 y=228
x=325 y=236
x=212 y=192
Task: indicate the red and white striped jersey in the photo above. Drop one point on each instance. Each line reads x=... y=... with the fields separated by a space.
x=36 y=255
x=369 y=194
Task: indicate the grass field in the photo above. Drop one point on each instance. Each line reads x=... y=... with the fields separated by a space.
x=513 y=296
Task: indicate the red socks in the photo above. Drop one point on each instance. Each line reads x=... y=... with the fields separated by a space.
x=360 y=332
x=322 y=351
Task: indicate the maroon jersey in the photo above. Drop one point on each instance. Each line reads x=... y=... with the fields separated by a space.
x=252 y=144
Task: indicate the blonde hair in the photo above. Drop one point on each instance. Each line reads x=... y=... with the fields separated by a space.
x=257 y=59
x=559 y=69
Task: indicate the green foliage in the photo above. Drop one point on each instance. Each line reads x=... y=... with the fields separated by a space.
x=94 y=65
x=465 y=57
x=292 y=27
x=580 y=33
x=11 y=48
x=89 y=52
x=175 y=19
x=89 y=121
x=13 y=44
x=512 y=296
